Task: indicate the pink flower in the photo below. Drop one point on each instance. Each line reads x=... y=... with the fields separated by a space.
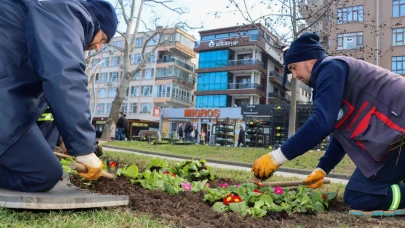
x=237 y=185
x=223 y=185
x=186 y=186
x=278 y=190
x=207 y=184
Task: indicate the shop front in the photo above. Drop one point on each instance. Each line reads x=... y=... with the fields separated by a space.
x=201 y=119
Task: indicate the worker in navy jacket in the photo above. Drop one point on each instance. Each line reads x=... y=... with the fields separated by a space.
x=358 y=103
x=42 y=64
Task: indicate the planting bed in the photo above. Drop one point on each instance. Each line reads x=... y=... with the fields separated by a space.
x=188 y=209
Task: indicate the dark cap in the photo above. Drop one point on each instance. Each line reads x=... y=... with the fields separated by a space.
x=106 y=16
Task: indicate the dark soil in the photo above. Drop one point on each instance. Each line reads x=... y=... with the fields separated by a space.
x=188 y=209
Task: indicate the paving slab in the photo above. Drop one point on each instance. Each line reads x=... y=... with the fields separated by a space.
x=63 y=196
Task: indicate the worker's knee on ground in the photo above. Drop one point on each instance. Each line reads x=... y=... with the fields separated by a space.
x=364 y=201
x=49 y=176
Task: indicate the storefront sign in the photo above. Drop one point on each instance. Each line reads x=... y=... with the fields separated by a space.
x=156 y=112
x=222 y=43
x=213 y=113
x=254 y=109
x=101 y=122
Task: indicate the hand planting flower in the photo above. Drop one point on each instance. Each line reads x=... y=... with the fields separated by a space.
x=223 y=185
x=186 y=186
x=278 y=191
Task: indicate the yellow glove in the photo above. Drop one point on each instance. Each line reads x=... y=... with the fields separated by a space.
x=93 y=164
x=264 y=167
x=317 y=175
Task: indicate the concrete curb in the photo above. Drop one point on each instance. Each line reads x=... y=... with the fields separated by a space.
x=245 y=165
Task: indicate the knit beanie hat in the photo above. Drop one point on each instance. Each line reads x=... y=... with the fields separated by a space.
x=305 y=47
x=105 y=15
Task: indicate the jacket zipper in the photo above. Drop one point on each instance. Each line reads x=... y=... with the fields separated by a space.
x=357 y=115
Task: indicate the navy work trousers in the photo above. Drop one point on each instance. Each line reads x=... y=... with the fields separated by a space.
x=374 y=193
x=30 y=165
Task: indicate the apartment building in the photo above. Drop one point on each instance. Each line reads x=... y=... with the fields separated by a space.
x=372 y=30
x=238 y=67
x=166 y=81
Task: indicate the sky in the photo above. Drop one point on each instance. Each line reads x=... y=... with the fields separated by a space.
x=200 y=13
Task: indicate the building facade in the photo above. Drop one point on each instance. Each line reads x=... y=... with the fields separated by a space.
x=166 y=81
x=238 y=67
x=372 y=30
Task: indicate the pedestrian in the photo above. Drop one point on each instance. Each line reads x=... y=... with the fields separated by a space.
x=43 y=65
x=181 y=132
x=188 y=129
x=241 y=138
x=120 y=125
x=195 y=134
x=113 y=128
x=126 y=129
x=359 y=103
x=202 y=136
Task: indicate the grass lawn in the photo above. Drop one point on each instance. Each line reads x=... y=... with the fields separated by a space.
x=307 y=161
x=117 y=217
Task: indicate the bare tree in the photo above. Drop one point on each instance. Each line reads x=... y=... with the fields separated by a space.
x=131 y=11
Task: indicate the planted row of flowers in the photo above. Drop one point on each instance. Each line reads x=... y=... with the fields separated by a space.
x=247 y=199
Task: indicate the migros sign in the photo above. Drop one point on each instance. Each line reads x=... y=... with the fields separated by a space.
x=202 y=113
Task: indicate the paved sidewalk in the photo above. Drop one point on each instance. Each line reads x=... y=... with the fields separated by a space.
x=285 y=172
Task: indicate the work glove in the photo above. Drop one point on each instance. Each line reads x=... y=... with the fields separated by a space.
x=93 y=164
x=317 y=175
x=61 y=149
x=264 y=167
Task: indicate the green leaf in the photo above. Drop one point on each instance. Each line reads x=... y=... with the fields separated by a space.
x=170 y=189
x=257 y=212
x=238 y=207
x=204 y=172
x=316 y=196
x=276 y=208
x=318 y=206
x=192 y=167
x=259 y=203
x=220 y=207
x=268 y=201
x=305 y=200
x=132 y=171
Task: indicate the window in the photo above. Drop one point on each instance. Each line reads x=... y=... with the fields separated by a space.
x=123 y=108
x=148 y=73
x=181 y=93
x=105 y=62
x=147 y=91
x=398 y=64
x=398 y=36
x=163 y=90
x=349 y=40
x=134 y=91
x=398 y=8
x=139 y=42
x=133 y=108
x=137 y=75
x=117 y=44
x=109 y=108
x=104 y=77
x=160 y=72
x=100 y=108
x=214 y=59
x=212 y=81
x=112 y=92
x=211 y=101
x=115 y=61
x=350 y=14
x=113 y=76
x=137 y=58
x=95 y=62
x=96 y=78
x=102 y=93
x=153 y=41
x=146 y=108
x=152 y=57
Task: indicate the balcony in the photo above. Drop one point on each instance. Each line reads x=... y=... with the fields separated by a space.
x=177 y=48
x=277 y=98
x=277 y=78
x=188 y=82
x=178 y=98
x=231 y=65
x=231 y=89
x=245 y=86
x=177 y=62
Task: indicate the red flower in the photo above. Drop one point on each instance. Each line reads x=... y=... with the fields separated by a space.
x=173 y=175
x=324 y=196
x=258 y=191
x=113 y=164
x=167 y=172
x=231 y=198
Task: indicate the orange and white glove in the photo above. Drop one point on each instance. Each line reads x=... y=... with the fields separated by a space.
x=93 y=164
x=264 y=167
x=317 y=175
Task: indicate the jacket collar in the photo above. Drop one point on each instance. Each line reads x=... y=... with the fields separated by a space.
x=312 y=79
